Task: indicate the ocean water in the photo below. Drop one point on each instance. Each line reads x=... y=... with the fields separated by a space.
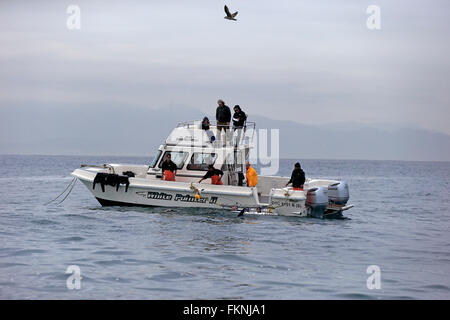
x=400 y=223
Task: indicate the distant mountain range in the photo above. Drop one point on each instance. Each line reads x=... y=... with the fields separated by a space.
x=118 y=130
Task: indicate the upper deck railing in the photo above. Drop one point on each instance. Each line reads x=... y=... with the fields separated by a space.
x=237 y=136
x=213 y=124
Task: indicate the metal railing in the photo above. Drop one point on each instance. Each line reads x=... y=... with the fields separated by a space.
x=213 y=124
x=247 y=133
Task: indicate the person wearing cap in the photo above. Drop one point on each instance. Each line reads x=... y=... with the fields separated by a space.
x=214 y=174
x=297 y=177
x=251 y=175
x=168 y=169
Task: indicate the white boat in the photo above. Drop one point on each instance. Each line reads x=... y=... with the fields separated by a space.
x=192 y=151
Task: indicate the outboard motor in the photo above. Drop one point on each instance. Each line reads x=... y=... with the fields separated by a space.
x=338 y=193
x=317 y=201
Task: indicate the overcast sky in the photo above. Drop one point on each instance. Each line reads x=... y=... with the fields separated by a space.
x=311 y=61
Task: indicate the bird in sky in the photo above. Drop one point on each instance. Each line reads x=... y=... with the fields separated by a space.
x=229 y=15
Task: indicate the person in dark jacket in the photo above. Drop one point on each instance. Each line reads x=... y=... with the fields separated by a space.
x=223 y=116
x=206 y=126
x=239 y=117
x=169 y=169
x=214 y=174
x=297 y=177
x=205 y=123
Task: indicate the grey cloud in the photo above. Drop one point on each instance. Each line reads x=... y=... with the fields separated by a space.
x=313 y=62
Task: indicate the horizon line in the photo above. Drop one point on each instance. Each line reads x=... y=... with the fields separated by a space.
x=142 y=156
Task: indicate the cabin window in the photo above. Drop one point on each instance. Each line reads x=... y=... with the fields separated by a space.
x=178 y=157
x=201 y=161
x=155 y=159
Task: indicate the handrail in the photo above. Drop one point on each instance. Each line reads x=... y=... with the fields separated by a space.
x=248 y=124
x=248 y=132
x=104 y=166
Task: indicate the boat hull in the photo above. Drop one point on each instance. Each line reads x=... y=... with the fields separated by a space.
x=145 y=192
x=158 y=193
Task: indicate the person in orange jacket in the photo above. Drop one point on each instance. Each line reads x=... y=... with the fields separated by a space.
x=168 y=169
x=214 y=174
x=251 y=175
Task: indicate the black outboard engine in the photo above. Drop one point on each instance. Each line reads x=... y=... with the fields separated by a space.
x=317 y=201
x=338 y=193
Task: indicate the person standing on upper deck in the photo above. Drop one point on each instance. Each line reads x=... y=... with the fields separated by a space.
x=239 y=118
x=206 y=126
x=223 y=116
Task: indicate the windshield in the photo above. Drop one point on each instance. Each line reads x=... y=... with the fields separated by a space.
x=201 y=161
x=155 y=159
x=178 y=157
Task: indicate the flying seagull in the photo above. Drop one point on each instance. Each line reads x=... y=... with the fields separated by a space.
x=229 y=15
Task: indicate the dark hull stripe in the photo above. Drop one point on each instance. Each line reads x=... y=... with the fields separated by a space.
x=108 y=203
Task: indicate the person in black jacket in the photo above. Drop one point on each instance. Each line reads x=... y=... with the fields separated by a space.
x=239 y=118
x=205 y=123
x=168 y=169
x=223 y=116
x=297 y=177
x=214 y=174
x=206 y=126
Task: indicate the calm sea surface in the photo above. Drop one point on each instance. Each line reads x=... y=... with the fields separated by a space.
x=400 y=223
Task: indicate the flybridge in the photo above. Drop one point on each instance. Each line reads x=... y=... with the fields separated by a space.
x=190 y=133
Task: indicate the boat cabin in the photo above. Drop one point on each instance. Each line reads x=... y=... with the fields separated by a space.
x=193 y=148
